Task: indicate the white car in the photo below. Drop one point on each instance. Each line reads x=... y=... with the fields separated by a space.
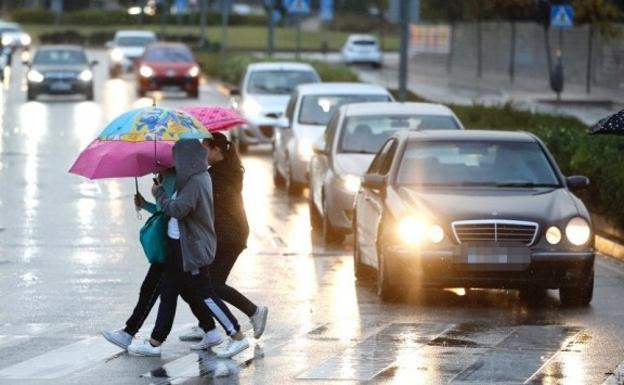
x=263 y=96
x=126 y=48
x=13 y=36
x=352 y=138
x=362 y=49
x=309 y=110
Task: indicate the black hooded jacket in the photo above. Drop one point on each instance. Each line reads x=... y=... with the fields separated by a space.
x=230 y=219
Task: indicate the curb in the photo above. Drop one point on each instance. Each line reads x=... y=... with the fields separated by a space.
x=608 y=247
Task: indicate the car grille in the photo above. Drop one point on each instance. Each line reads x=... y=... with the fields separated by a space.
x=60 y=75
x=495 y=231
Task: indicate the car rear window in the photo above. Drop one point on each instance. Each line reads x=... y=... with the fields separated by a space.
x=169 y=54
x=318 y=109
x=134 y=41
x=472 y=163
x=366 y=134
x=278 y=82
x=364 y=42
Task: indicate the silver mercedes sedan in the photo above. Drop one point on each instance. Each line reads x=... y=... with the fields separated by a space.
x=342 y=155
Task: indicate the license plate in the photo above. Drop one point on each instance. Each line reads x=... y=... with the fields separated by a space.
x=171 y=88
x=171 y=73
x=60 y=86
x=494 y=257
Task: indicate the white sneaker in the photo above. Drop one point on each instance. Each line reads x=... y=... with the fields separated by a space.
x=195 y=334
x=210 y=339
x=230 y=348
x=258 y=321
x=144 y=349
x=118 y=337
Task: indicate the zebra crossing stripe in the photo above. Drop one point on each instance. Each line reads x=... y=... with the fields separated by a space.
x=617 y=378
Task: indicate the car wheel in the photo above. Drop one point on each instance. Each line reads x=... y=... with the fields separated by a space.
x=376 y=65
x=331 y=235
x=278 y=179
x=31 y=95
x=580 y=294
x=292 y=187
x=387 y=288
x=193 y=94
x=89 y=95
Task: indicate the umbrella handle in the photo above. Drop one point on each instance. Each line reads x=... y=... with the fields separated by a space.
x=138 y=212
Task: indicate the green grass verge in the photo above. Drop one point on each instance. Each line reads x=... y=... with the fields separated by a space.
x=238 y=38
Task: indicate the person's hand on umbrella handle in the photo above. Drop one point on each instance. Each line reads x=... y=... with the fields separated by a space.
x=139 y=201
x=155 y=186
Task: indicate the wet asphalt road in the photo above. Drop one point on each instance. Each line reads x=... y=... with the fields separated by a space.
x=71 y=265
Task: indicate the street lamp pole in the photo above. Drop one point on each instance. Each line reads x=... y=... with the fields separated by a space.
x=404 y=14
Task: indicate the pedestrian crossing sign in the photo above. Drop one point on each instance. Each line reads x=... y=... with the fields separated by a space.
x=562 y=16
x=297 y=7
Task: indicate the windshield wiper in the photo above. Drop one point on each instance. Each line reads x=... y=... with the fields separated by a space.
x=526 y=184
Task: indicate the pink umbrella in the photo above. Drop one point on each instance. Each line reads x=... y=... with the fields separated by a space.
x=216 y=118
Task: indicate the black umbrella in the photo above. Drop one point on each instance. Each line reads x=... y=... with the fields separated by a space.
x=613 y=125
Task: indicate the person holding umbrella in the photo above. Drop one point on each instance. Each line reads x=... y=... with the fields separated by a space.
x=192 y=246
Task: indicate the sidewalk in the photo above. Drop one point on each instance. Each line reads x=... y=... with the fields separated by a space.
x=434 y=84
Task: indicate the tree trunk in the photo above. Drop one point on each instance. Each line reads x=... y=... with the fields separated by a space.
x=548 y=52
x=449 y=56
x=512 y=54
x=203 y=11
x=590 y=42
x=479 y=50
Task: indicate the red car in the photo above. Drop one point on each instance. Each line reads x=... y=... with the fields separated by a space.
x=167 y=66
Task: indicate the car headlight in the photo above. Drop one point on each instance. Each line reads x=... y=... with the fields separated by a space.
x=117 y=55
x=351 y=183
x=193 y=72
x=553 y=235
x=146 y=72
x=86 y=76
x=7 y=40
x=35 y=76
x=413 y=231
x=305 y=150
x=578 y=231
x=25 y=39
x=251 y=107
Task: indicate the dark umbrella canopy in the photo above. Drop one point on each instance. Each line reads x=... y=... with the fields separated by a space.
x=611 y=125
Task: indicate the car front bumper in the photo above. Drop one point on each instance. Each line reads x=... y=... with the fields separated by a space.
x=73 y=86
x=445 y=267
x=154 y=83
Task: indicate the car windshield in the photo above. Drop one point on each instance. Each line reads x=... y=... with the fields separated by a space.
x=318 y=109
x=9 y=29
x=169 y=54
x=471 y=163
x=364 y=43
x=278 y=82
x=60 y=57
x=134 y=41
x=366 y=134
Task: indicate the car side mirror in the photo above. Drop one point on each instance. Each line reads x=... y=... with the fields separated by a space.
x=94 y=63
x=110 y=45
x=282 y=122
x=374 y=181
x=234 y=92
x=577 y=182
x=319 y=147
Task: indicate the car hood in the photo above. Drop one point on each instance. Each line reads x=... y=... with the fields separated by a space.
x=354 y=164
x=131 y=51
x=165 y=66
x=545 y=206
x=271 y=103
x=60 y=68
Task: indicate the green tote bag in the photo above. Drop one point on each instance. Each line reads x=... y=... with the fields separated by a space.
x=153 y=238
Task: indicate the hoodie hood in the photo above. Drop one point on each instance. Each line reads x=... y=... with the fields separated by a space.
x=190 y=159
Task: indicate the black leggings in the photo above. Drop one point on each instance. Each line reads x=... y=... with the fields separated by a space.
x=196 y=290
x=219 y=271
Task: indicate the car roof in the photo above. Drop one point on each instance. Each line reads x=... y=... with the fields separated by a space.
x=362 y=37
x=340 y=89
x=60 y=47
x=129 y=32
x=395 y=108
x=471 y=135
x=267 y=66
x=164 y=44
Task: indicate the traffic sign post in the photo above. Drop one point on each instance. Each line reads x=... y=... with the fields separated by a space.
x=298 y=8
x=561 y=17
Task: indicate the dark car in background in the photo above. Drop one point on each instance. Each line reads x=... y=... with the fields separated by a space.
x=60 y=69
x=473 y=209
x=168 y=67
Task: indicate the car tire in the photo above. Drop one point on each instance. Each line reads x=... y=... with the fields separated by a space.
x=89 y=95
x=580 y=294
x=292 y=188
x=278 y=179
x=193 y=94
x=31 y=95
x=331 y=235
x=377 y=65
x=387 y=288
